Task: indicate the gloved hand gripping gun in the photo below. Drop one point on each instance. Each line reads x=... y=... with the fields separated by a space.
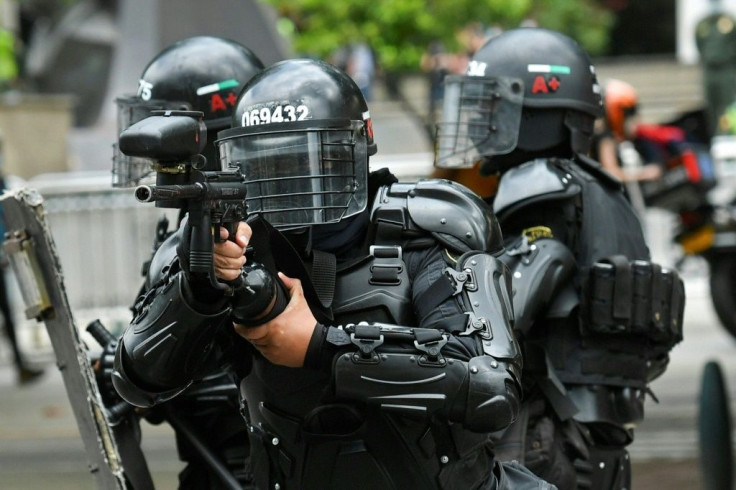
x=174 y=141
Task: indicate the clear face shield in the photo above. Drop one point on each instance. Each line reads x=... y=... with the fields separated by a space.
x=300 y=175
x=480 y=117
x=130 y=171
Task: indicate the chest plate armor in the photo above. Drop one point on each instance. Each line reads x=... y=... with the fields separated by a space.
x=605 y=375
x=304 y=440
x=309 y=440
x=376 y=287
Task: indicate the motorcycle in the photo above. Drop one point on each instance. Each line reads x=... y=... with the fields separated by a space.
x=705 y=228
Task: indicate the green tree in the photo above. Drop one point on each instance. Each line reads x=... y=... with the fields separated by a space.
x=400 y=30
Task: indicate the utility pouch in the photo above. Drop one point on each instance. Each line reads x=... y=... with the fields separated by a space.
x=636 y=298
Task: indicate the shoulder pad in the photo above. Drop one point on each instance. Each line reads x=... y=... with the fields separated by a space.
x=454 y=215
x=538 y=179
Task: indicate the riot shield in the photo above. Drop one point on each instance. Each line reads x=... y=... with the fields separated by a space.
x=110 y=435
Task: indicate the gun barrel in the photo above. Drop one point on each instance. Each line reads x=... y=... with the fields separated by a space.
x=143 y=193
x=100 y=333
x=214 y=190
x=150 y=193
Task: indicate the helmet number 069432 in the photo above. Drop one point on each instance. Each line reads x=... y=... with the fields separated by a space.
x=275 y=114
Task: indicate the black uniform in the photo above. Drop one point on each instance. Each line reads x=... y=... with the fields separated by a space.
x=595 y=318
x=379 y=405
x=589 y=384
x=200 y=73
x=413 y=363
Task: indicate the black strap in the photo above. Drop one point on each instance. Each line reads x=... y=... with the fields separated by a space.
x=558 y=400
x=274 y=251
x=660 y=297
x=426 y=335
x=541 y=369
x=324 y=270
x=440 y=290
x=453 y=323
x=622 y=287
x=597 y=170
x=383 y=275
x=443 y=439
x=367 y=332
x=388 y=231
x=677 y=308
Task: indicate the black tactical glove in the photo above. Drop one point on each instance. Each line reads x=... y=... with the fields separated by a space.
x=261 y=297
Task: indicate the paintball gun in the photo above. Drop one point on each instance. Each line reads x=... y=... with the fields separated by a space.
x=173 y=140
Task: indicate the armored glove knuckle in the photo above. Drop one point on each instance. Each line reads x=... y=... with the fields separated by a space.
x=261 y=298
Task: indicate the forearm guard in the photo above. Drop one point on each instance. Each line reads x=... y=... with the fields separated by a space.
x=166 y=344
x=481 y=393
x=465 y=370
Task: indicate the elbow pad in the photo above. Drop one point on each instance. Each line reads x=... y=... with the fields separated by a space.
x=482 y=393
x=165 y=345
x=493 y=396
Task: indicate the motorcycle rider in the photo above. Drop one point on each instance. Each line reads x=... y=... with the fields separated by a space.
x=588 y=302
x=616 y=145
x=394 y=359
x=201 y=73
x=618 y=148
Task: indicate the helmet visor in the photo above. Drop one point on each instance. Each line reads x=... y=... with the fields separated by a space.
x=480 y=117
x=130 y=171
x=301 y=175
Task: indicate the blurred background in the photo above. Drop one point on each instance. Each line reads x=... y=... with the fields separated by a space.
x=63 y=62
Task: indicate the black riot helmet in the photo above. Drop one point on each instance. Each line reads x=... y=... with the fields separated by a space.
x=527 y=93
x=201 y=73
x=302 y=136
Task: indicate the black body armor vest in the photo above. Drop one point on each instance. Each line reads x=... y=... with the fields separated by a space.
x=406 y=398
x=579 y=204
x=317 y=444
x=309 y=440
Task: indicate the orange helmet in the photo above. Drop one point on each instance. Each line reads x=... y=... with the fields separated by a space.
x=620 y=100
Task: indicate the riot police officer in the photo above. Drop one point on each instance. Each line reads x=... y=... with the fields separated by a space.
x=590 y=307
x=394 y=358
x=201 y=73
